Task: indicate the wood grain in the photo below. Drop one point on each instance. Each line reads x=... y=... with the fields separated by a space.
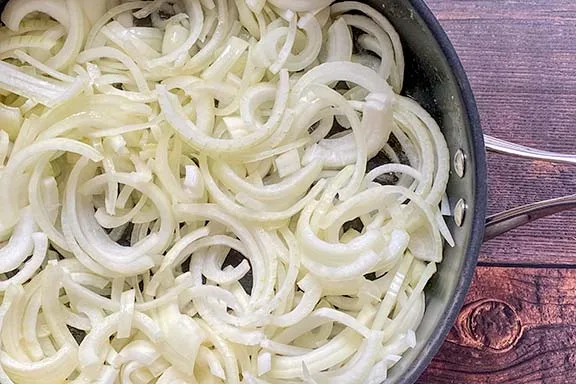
x=521 y=60
x=519 y=326
x=519 y=323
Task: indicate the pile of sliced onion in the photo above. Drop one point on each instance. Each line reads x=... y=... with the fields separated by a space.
x=187 y=196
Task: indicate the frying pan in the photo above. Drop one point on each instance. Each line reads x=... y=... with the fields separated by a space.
x=436 y=79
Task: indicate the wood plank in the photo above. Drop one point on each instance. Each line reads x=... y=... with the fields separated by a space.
x=521 y=60
x=518 y=326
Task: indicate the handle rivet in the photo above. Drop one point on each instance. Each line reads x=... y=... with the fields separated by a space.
x=460 y=212
x=460 y=163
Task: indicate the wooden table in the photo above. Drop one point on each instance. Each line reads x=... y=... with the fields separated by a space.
x=519 y=321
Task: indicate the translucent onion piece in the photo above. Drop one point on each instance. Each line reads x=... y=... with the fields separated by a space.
x=35 y=88
x=301 y=5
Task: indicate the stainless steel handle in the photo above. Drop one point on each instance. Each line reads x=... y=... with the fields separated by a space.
x=507 y=148
x=505 y=221
x=508 y=220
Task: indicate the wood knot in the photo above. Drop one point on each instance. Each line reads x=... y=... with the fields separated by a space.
x=489 y=324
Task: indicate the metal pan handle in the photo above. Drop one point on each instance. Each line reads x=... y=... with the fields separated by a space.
x=503 y=222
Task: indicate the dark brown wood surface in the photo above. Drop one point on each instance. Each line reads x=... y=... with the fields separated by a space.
x=519 y=322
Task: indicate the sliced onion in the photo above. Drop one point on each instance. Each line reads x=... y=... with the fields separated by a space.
x=192 y=200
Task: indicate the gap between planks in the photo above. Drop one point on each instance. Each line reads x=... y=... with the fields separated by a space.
x=497 y=264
